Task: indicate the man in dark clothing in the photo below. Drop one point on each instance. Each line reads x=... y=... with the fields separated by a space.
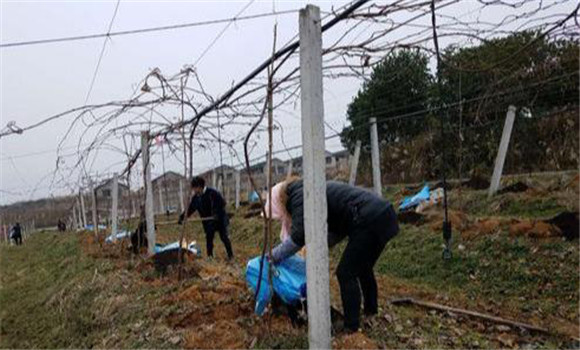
x=139 y=237
x=17 y=234
x=61 y=226
x=367 y=220
x=212 y=209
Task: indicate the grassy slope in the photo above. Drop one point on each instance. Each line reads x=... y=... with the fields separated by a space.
x=56 y=295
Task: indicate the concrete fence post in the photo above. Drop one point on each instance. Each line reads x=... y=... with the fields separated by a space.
x=238 y=183
x=314 y=170
x=502 y=151
x=95 y=214
x=83 y=210
x=181 y=199
x=375 y=158
x=149 y=211
x=354 y=163
x=115 y=204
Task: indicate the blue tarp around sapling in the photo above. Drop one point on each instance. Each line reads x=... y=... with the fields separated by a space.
x=288 y=278
x=410 y=202
x=91 y=227
x=120 y=235
x=192 y=247
x=253 y=197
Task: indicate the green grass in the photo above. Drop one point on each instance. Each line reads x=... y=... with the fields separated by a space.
x=54 y=296
x=477 y=203
x=524 y=274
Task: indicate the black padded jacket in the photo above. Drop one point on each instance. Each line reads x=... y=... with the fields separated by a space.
x=349 y=208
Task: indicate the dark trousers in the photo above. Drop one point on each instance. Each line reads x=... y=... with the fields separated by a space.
x=223 y=232
x=355 y=269
x=17 y=239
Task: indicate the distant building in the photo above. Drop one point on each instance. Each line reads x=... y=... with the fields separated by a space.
x=167 y=192
x=104 y=196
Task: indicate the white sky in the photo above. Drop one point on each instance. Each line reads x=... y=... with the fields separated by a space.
x=42 y=80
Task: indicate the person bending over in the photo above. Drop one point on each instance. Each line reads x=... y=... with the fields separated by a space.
x=367 y=220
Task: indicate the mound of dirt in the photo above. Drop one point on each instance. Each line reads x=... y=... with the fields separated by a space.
x=163 y=260
x=533 y=229
x=514 y=188
x=476 y=183
x=252 y=213
x=355 y=340
x=224 y=334
x=568 y=224
x=574 y=184
x=458 y=219
x=411 y=217
x=255 y=205
x=448 y=185
x=483 y=227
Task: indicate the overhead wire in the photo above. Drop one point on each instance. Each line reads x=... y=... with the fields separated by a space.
x=221 y=33
x=142 y=30
x=96 y=72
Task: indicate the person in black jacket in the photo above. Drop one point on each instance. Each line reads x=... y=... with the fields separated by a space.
x=17 y=234
x=367 y=220
x=212 y=209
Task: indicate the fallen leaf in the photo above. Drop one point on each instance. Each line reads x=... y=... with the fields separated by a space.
x=175 y=340
x=503 y=328
x=506 y=340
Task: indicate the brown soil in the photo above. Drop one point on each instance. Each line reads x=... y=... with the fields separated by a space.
x=354 y=341
x=476 y=183
x=483 y=227
x=515 y=188
x=459 y=220
x=574 y=184
x=568 y=224
x=410 y=217
x=534 y=229
x=223 y=334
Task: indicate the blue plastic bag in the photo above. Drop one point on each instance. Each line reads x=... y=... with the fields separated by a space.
x=415 y=200
x=253 y=197
x=120 y=235
x=192 y=247
x=287 y=280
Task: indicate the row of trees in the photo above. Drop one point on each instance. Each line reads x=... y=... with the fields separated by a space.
x=476 y=85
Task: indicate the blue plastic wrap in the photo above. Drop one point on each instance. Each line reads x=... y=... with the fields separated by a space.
x=253 y=197
x=410 y=202
x=120 y=235
x=287 y=280
x=192 y=247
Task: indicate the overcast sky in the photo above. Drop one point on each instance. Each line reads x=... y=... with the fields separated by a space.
x=42 y=80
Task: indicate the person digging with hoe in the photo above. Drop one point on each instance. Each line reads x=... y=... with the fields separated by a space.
x=212 y=209
x=367 y=220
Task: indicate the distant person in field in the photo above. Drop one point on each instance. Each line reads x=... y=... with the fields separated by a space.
x=139 y=236
x=16 y=234
x=367 y=220
x=61 y=225
x=212 y=209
